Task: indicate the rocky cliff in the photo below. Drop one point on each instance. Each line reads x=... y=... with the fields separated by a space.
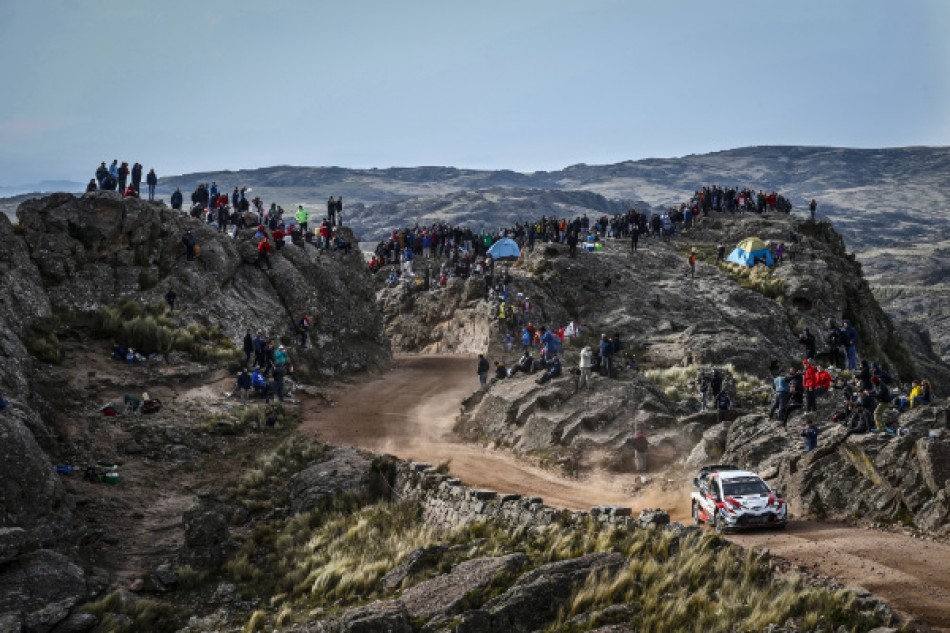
x=71 y=262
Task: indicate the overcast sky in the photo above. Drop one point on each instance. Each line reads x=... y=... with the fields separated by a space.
x=190 y=85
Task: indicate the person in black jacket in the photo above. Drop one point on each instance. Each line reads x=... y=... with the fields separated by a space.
x=807 y=339
x=177 y=199
x=244 y=385
x=123 y=175
x=151 y=180
x=92 y=186
x=248 y=347
x=101 y=173
x=572 y=243
x=137 y=177
x=482 y=371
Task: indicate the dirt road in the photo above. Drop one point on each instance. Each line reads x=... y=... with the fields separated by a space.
x=409 y=412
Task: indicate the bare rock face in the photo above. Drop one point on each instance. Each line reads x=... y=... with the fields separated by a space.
x=33 y=498
x=92 y=251
x=344 y=471
x=41 y=588
x=873 y=476
x=208 y=540
x=443 y=595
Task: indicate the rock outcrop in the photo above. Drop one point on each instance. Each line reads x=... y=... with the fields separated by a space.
x=71 y=255
x=878 y=477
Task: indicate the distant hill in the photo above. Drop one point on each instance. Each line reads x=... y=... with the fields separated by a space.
x=875 y=197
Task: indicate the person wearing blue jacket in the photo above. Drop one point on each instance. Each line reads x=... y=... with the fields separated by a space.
x=780 y=403
x=607 y=355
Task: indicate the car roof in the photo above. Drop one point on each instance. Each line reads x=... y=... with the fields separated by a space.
x=736 y=474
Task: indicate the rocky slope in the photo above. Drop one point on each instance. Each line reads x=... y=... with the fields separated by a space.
x=678 y=328
x=71 y=258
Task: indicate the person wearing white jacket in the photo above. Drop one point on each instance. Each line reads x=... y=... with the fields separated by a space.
x=587 y=362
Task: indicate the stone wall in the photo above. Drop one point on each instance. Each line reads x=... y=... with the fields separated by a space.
x=447 y=503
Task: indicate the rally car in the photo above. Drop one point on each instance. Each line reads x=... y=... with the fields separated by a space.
x=728 y=498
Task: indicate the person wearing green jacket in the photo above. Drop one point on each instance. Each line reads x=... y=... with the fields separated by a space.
x=302 y=217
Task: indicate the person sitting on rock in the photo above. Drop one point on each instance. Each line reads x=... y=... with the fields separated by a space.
x=525 y=364
x=259 y=383
x=553 y=369
x=130 y=192
x=92 y=186
x=500 y=371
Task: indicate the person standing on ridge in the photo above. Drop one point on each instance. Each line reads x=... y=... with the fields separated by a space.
x=151 y=180
x=137 y=178
x=339 y=211
x=586 y=365
x=123 y=175
x=813 y=206
x=331 y=210
x=177 y=199
x=302 y=217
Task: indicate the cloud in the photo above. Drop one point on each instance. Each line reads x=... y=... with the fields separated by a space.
x=25 y=128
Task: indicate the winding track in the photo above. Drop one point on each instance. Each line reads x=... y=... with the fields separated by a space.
x=410 y=410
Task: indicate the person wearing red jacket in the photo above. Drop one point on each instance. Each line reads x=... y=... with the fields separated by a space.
x=263 y=250
x=278 y=235
x=822 y=381
x=809 y=383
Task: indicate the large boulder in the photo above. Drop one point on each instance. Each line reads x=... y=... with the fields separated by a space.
x=536 y=597
x=344 y=471
x=442 y=596
x=208 y=541
x=42 y=588
x=32 y=495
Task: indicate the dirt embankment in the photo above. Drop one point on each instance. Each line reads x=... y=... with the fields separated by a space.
x=409 y=412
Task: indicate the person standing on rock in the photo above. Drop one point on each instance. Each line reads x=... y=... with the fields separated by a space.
x=482 y=371
x=248 y=347
x=692 y=265
x=810 y=433
x=264 y=249
x=572 y=243
x=137 y=178
x=807 y=339
x=101 y=173
x=723 y=404
x=586 y=366
x=151 y=180
x=812 y=207
x=780 y=402
x=339 y=211
x=244 y=385
x=302 y=217
x=634 y=238
x=640 y=447
x=607 y=354
x=849 y=338
x=189 y=240
x=177 y=199
x=809 y=383
x=331 y=210
x=170 y=298
x=123 y=175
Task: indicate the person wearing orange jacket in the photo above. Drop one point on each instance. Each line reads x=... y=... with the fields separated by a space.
x=808 y=384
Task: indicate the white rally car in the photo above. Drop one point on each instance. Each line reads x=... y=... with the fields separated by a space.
x=731 y=499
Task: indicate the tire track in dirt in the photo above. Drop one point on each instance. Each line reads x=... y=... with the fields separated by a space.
x=409 y=412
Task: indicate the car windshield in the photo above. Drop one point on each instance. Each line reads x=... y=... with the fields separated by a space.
x=744 y=486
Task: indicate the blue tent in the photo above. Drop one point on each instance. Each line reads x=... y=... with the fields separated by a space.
x=748 y=251
x=505 y=248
